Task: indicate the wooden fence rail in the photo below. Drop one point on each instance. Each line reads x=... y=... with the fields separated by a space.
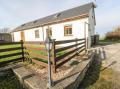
x=62 y=51
x=69 y=51
x=9 y=52
x=36 y=52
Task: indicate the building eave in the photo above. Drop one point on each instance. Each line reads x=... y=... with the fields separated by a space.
x=58 y=21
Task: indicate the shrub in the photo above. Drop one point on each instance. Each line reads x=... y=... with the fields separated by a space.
x=113 y=35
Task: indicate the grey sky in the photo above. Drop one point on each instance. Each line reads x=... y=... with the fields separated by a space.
x=16 y=12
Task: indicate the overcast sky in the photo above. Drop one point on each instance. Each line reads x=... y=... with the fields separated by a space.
x=16 y=12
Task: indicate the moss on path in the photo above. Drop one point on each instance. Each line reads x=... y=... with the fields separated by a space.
x=98 y=77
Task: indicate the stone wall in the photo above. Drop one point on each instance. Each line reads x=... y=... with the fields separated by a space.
x=75 y=77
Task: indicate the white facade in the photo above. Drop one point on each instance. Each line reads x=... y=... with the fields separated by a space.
x=78 y=30
x=57 y=31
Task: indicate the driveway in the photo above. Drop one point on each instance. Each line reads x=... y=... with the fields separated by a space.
x=111 y=56
x=104 y=72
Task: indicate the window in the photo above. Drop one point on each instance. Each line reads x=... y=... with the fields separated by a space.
x=68 y=30
x=37 y=34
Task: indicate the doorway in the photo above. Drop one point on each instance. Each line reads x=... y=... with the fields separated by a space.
x=22 y=36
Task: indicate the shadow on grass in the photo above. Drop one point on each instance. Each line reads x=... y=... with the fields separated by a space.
x=92 y=75
x=113 y=63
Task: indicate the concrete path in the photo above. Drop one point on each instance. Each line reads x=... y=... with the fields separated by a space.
x=29 y=79
x=111 y=56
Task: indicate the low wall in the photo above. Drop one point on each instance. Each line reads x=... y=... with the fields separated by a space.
x=71 y=81
x=75 y=77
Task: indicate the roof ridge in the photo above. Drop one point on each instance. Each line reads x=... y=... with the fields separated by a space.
x=64 y=11
x=75 y=11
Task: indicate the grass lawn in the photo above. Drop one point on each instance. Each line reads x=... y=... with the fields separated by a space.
x=26 y=55
x=9 y=52
x=40 y=53
x=106 y=80
x=112 y=41
x=9 y=81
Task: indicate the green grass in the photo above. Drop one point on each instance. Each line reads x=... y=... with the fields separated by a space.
x=40 y=52
x=9 y=80
x=10 y=46
x=113 y=41
x=106 y=80
x=98 y=77
x=10 y=52
x=26 y=50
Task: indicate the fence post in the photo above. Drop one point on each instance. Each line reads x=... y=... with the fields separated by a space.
x=77 y=53
x=86 y=44
x=22 y=47
x=53 y=57
x=76 y=41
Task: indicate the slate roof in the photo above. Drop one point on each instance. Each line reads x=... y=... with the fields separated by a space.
x=77 y=11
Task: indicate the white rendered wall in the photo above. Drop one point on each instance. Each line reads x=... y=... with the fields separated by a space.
x=78 y=29
x=30 y=34
x=17 y=36
x=92 y=21
x=92 y=26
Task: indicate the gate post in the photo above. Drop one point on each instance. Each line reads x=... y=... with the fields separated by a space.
x=53 y=57
x=86 y=44
x=77 y=53
x=22 y=47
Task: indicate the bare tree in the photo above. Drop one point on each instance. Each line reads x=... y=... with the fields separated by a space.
x=4 y=30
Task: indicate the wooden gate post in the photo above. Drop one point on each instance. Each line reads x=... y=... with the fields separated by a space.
x=22 y=47
x=85 y=45
x=53 y=57
x=77 y=53
x=76 y=41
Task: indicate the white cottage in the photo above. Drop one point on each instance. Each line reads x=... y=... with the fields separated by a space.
x=78 y=22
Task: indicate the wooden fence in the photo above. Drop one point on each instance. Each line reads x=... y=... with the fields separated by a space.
x=11 y=51
x=68 y=50
x=62 y=51
x=36 y=52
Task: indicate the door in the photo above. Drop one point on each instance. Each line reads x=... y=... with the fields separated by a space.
x=49 y=32
x=22 y=36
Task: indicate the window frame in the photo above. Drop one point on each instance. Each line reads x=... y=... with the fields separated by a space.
x=37 y=34
x=67 y=29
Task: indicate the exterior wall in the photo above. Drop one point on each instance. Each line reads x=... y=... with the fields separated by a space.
x=92 y=21
x=91 y=30
x=77 y=30
x=57 y=31
x=17 y=36
x=30 y=34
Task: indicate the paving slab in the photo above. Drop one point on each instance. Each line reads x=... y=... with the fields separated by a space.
x=35 y=83
x=29 y=79
x=71 y=81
